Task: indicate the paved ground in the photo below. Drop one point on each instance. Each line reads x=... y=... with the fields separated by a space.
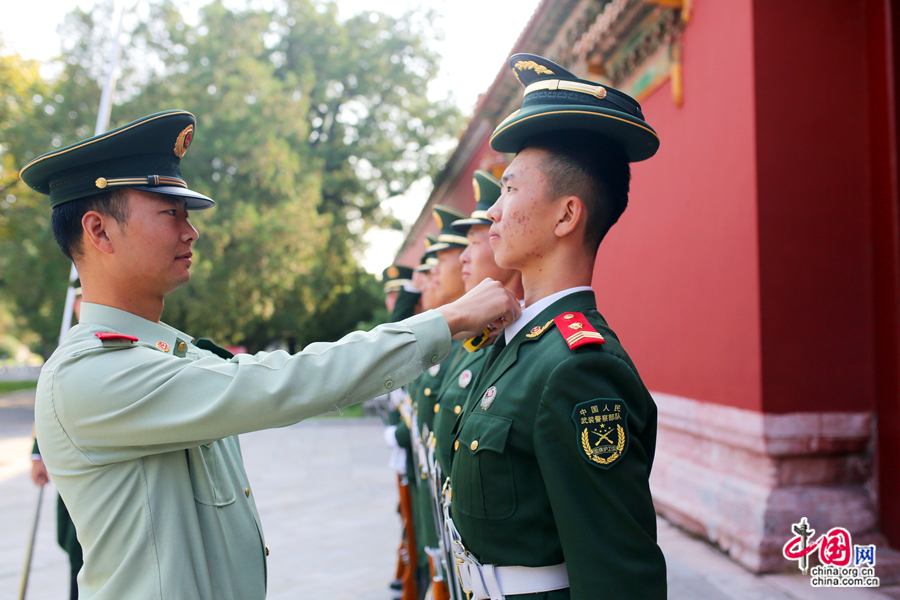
x=328 y=505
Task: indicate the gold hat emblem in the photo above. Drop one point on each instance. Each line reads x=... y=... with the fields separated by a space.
x=184 y=140
x=437 y=217
x=393 y=272
x=530 y=65
x=477 y=190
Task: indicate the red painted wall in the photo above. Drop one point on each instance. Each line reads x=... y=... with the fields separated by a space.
x=813 y=205
x=677 y=277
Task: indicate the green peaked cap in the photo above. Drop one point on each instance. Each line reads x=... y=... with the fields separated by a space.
x=144 y=154
x=448 y=237
x=487 y=190
x=395 y=277
x=556 y=100
x=429 y=257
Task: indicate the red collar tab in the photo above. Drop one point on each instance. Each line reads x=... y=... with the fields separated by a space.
x=576 y=330
x=108 y=336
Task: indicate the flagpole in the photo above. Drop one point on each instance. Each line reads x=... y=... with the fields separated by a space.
x=103 y=114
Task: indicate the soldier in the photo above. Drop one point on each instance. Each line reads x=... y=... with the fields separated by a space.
x=446 y=286
x=137 y=421
x=552 y=456
x=395 y=277
x=477 y=263
x=66 y=536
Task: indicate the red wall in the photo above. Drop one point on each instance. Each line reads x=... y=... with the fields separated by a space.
x=814 y=229
x=677 y=277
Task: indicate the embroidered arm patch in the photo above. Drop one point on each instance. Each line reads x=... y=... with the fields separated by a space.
x=602 y=428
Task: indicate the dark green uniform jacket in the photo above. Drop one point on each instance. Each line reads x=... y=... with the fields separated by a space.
x=459 y=380
x=542 y=474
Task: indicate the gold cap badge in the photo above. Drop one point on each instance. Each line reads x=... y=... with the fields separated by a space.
x=184 y=140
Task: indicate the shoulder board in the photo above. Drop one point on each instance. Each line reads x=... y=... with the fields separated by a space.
x=576 y=330
x=115 y=339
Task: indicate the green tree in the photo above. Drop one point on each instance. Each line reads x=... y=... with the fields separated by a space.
x=306 y=124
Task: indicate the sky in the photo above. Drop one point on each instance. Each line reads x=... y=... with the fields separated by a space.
x=478 y=37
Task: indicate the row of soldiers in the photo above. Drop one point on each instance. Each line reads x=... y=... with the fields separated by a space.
x=528 y=450
x=455 y=261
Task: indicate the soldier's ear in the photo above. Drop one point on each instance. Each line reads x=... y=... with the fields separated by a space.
x=94 y=226
x=570 y=214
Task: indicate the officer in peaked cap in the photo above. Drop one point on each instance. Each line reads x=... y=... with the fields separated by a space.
x=552 y=454
x=137 y=422
x=394 y=278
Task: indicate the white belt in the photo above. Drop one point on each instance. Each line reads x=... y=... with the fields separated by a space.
x=490 y=582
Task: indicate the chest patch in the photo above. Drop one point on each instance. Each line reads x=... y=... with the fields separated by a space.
x=602 y=428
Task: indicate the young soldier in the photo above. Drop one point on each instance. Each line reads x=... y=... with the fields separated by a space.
x=446 y=286
x=477 y=263
x=137 y=421
x=550 y=491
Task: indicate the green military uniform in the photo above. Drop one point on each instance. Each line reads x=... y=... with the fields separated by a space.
x=464 y=366
x=552 y=456
x=66 y=536
x=138 y=422
x=526 y=491
x=140 y=438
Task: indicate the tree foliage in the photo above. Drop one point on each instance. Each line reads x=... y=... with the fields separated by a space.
x=306 y=124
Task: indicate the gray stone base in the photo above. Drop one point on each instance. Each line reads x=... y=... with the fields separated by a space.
x=741 y=478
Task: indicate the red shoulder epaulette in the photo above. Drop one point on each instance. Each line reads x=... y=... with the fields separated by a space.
x=576 y=330
x=108 y=336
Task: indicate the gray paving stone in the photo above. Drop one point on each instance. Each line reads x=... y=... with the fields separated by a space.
x=328 y=504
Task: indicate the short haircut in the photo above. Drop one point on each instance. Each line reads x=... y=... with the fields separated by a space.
x=66 y=218
x=590 y=167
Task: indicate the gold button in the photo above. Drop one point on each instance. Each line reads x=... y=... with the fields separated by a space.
x=427 y=391
x=267 y=550
x=457 y=409
x=101 y=182
x=474 y=446
x=181 y=347
x=456 y=445
x=247 y=491
x=424 y=475
x=569 y=316
x=437 y=407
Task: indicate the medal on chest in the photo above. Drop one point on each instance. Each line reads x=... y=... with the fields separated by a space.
x=488 y=398
x=465 y=378
x=433 y=371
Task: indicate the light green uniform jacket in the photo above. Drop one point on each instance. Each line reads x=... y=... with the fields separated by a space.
x=140 y=439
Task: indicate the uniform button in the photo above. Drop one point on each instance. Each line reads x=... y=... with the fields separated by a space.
x=474 y=446
x=424 y=475
x=437 y=407
x=434 y=359
x=267 y=550
x=456 y=445
x=457 y=409
x=427 y=391
x=181 y=346
x=247 y=491
x=388 y=384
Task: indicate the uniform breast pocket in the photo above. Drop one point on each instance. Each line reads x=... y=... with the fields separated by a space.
x=485 y=488
x=210 y=476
